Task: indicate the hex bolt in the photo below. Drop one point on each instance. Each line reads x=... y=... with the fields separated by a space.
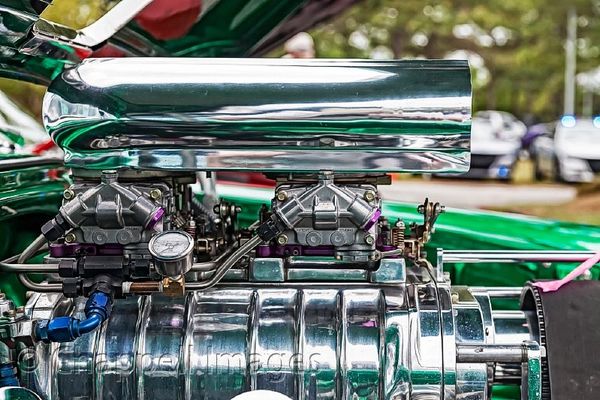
x=68 y=194
x=155 y=194
x=282 y=239
x=369 y=239
x=370 y=195
x=282 y=195
x=70 y=237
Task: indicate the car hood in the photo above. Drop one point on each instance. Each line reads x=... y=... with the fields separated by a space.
x=578 y=149
x=496 y=147
x=35 y=49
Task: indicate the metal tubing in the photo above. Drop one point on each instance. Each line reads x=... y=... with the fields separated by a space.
x=508 y=314
x=39 y=287
x=484 y=353
x=26 y=268
x=501 y=256
x=29 y=252
x=499 y=292
x=226 y=265
x=211 y=265
x=144 y=287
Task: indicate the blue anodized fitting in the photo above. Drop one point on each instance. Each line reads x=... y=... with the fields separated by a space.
x=66 y=329
x=8 y=375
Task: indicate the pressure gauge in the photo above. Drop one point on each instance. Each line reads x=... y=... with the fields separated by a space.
x=172 y=252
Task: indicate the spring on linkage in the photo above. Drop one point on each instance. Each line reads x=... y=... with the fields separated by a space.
x=397 y=234
x=190 y=228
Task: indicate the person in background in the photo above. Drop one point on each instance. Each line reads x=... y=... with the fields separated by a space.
x=300 y=45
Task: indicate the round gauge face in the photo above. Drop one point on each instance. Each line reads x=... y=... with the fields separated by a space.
x=171 y=245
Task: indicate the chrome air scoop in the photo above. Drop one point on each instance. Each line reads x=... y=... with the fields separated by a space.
x=275 y=115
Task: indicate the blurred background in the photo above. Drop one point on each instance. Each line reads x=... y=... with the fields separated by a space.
x=536 y=83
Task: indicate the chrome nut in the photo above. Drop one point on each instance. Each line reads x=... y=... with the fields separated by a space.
x=281 y=195
x=370 y=195
x=68 y=194
x=282 y=239
x=70 y=237
x=155 y=194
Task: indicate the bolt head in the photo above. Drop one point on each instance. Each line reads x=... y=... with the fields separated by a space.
x=68 y=194
x=282 y=195
x=369 y=239
x=370 y=195
x=282 y=239
x=70 y=237
x=155 y=194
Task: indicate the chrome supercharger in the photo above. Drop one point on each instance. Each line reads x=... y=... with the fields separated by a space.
x=156 y=289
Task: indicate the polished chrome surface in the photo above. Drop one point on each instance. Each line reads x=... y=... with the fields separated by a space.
x=328 y=342
x=501 y=326
x=471 y=320
x=490 y=353
x=513 y=256
x=263 y=114
x=500 y=291
x=17 y=393
x=510 y=328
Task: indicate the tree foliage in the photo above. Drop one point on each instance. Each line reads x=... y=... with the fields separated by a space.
x=516 y=47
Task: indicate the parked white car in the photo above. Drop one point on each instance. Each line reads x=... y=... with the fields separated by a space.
x=570 y=152
x=495 y=144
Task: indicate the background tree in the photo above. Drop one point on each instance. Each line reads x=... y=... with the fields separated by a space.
x=516 y=47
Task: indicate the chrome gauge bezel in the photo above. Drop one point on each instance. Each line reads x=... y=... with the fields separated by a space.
x=156 y=253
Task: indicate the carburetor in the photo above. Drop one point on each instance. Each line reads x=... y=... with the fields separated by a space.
x=327 y=215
